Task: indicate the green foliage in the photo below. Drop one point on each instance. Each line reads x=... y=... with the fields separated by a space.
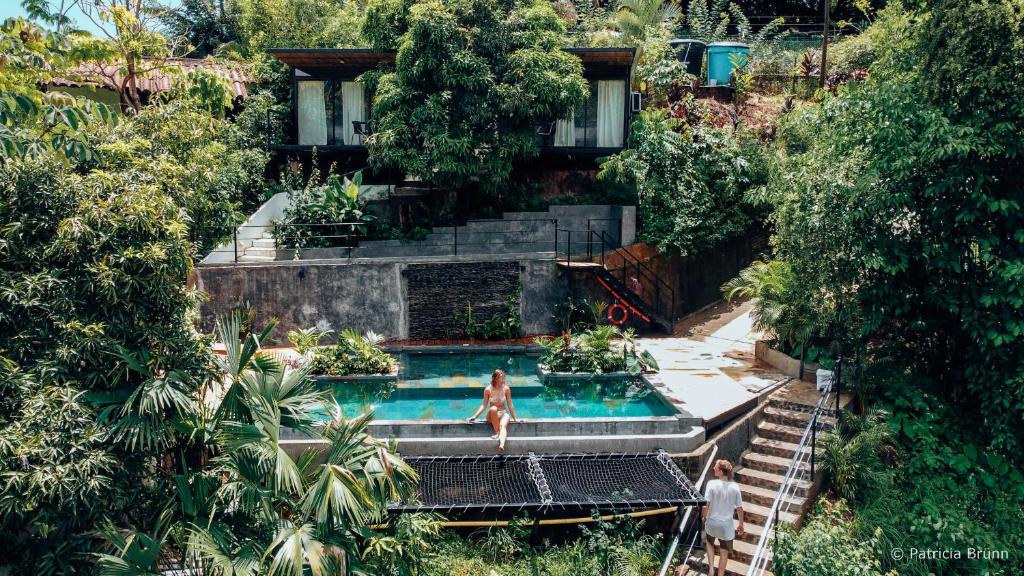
x=34 y=122
x=504 y=326
x=780 y=309
x=324 y=216
x=471 y=82
x=354 y=353
x=712 y=20
x=610 y=548
x=851 y=455
x=690 y=181
x=307 y=339
x=825 y=547
x=205 y=164
x=899 y=201
x=639 y=20
x=598 y=350
x=659 y=68
x=579 y=314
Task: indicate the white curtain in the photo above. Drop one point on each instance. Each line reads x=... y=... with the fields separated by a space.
x=565 y=130
x=611 y=105
x=312 y=113
x=353 y=109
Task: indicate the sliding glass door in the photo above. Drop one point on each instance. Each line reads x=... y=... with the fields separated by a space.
x=599 y=123
x=328 y=111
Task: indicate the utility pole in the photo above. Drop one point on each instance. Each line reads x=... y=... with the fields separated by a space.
x=824 y=44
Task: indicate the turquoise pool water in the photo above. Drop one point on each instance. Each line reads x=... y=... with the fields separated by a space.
x=450 y=387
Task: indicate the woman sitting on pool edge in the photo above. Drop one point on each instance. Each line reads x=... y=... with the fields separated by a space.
x=496 y=397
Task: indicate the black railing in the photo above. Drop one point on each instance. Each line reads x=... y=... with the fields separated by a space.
x=293 y=241
x=594 y=247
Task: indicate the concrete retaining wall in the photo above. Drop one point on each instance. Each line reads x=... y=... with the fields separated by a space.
x=784 y=363
x=369 y=295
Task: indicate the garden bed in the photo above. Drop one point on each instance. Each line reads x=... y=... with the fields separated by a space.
x=549 y=376
x=391 y=376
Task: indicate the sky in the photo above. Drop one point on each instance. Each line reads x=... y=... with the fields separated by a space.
x=10 y=8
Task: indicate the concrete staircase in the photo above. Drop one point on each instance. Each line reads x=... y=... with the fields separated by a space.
x=263 y=249
x=760 y=474
x=513 y=233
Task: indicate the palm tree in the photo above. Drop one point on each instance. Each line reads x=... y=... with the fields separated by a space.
x=636 y=18
x=779 y=310
x=253 y=508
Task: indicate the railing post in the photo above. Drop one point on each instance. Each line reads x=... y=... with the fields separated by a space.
x=814 y=438
x=234 y=237
x=590 y=245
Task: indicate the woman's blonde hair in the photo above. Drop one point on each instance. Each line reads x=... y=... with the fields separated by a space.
x=498 y=374
x=725 y=466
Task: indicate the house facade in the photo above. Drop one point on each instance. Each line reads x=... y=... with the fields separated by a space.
x=331 y=110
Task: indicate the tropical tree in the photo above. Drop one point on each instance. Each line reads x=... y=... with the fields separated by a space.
x=690 y=178
x=899 y=199
x=638 y=19
x=781 y=309
x=240 y=502
x=472 y=81
x=33 y=121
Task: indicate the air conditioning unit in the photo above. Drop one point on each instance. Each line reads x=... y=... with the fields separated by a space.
x=636 y=101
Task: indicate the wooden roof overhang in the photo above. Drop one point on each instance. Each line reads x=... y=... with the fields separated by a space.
x=596 y=61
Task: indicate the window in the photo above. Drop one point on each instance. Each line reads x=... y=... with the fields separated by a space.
x=600 y=122
x=327 y=110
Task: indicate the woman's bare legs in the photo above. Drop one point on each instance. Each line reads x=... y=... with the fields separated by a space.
x=492 y=417
x=503 y=432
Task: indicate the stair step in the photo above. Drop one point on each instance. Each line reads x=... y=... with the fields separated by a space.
x=774 y=447
x=766 y=496
x=759 y=514
x=268 y=243
x=732 y=567
x=769 y=480
x=768 y=463
x=795 y=418
x=783 y=432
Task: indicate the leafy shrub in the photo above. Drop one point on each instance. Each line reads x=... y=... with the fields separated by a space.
x=825 y=546
x=691 y=181
x=599 y=350
x=850 y=455
x=781 y=309
x=353 y=354
x=504 y=326
x=331 y=215
x=579 y=314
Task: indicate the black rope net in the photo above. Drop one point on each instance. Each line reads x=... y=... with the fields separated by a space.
x=548 y=482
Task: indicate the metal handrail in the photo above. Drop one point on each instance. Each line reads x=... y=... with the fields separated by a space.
x=686 y=516
x=787 y=490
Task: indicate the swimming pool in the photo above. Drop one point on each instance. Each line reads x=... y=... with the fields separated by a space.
x=449 y=386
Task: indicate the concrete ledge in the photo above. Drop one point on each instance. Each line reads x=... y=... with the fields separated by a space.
x=784 y=363
x=529 y=349
x=548 y=376
x=682 y=442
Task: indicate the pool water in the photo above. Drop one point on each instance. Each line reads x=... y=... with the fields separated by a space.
x=450 y=387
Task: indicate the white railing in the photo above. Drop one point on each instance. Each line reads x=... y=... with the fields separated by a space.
x=801 y=469
x=686 y=516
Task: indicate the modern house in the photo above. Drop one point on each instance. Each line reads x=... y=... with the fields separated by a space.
x=330 y=111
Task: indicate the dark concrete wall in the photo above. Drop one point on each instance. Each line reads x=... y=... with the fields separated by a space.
x=389 y=298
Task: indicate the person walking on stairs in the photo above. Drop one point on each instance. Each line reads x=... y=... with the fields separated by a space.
x=723 y=501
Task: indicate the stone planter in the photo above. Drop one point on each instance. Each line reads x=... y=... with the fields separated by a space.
x=783 y=362
x=354 y=378
x=549 y=376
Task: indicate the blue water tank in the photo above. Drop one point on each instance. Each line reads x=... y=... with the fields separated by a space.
x=720 y=61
